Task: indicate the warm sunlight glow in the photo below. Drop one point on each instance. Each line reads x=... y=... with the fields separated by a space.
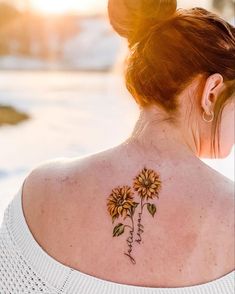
x=60 y=6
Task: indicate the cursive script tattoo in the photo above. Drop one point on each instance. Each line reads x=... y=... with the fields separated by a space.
x=121 y=203
x=129 y=241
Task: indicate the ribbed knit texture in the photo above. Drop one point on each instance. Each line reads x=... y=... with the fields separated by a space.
x=26 y=268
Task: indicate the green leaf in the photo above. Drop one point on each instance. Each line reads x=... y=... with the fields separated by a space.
x=136 y=204
x=132 y=210
x=152 y=209
x=118 y=230
x=113 y=219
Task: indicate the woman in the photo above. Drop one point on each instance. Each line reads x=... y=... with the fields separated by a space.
x=147 y=216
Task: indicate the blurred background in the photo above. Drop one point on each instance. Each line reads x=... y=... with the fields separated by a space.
x=62 y=92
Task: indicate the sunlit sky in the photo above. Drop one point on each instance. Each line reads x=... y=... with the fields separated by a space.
x=60 y=6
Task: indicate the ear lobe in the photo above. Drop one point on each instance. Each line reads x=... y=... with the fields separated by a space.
x=211 y=91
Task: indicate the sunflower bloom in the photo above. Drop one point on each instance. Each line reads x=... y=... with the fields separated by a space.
x=120 y=202
x=147 y=184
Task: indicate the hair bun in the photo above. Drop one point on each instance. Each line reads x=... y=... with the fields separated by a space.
x=129 y=16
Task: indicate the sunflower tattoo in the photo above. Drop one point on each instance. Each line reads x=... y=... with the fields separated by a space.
x=120 y=203
x=148 y=186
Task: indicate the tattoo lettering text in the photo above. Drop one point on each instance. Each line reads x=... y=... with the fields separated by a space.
x=120 y=203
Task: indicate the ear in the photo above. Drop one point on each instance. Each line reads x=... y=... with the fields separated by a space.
x=212 y=88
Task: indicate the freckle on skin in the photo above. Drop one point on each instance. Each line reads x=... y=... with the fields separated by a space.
x=64 y=179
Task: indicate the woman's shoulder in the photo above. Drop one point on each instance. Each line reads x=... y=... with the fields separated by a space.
x=48 y=177
x=52 y=180
x=57 y=192
x=54 y=183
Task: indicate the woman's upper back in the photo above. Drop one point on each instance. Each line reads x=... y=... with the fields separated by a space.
x=189 y=240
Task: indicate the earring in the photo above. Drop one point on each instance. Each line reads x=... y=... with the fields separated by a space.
x=212 y=115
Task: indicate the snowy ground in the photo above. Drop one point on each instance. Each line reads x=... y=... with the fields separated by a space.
x=73 y=114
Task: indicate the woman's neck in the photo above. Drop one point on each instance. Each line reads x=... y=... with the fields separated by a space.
x=155 y=135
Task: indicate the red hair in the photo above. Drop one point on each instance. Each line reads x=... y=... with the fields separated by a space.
x=170 y=47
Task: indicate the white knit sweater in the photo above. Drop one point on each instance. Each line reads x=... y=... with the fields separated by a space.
x=26 y=268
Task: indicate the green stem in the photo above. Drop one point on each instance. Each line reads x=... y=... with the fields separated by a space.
x=132 y=221
x=145 y=204
x=128 y=226
x=141 y=203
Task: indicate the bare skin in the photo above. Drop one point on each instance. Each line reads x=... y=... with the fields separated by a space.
x=190 y=241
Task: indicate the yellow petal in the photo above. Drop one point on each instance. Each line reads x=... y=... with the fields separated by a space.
x=119 y=210
x=148 y=193
x=140 y=179
x=126 y=205
x=142 y=176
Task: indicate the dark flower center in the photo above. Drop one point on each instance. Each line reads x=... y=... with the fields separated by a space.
x=146 y=183
x=120 y=202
